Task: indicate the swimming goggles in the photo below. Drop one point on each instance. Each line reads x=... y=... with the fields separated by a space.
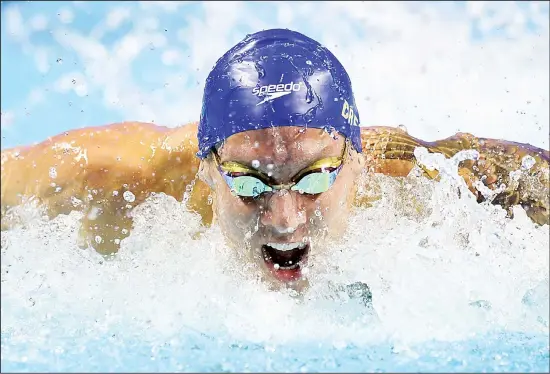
x=315 y=179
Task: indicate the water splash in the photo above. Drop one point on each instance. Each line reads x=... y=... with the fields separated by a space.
x=439 y=266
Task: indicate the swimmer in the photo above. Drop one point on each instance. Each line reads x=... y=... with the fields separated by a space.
x=279 y=146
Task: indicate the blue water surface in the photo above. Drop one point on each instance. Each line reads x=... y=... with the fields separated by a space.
x=197 y=352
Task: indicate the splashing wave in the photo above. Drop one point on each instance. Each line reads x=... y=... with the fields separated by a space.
x=439 y=265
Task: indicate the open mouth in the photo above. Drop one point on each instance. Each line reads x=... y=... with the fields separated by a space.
x=286 y=260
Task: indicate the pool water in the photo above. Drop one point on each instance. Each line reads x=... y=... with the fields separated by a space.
x=195 y=352
x=456 y=286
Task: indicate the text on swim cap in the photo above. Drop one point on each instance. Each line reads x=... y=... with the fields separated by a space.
x=349 y=114
x=271 y=88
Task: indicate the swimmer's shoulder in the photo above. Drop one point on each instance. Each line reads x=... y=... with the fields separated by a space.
x=183 y=137
x=368 y=131
x=157 y=155
x=374 y=137
x=100 y=156
x=101 y=134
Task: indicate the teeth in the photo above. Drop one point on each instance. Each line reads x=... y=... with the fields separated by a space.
x=290 y=267
x=287 y=246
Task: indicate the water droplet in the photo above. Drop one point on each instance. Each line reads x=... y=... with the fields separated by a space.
x=115 y=193
x=98 y=239
x=310 y=114
x=309 y=62
x=332 y=132
x=276 y=266
x=260 y=69
x=309 y=93
x=402 y=128
x=515 y=175
x=53 y=173
x=255 y=164
x=129 y=196
x=210 y=200
x=527 y=162
x=317 y=212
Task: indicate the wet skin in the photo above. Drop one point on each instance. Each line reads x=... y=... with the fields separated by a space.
x=95 y=166
x=283 y=216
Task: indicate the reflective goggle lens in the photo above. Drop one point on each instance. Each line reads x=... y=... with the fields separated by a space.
x=316 y=179
x=249 y=186
x=313 y=183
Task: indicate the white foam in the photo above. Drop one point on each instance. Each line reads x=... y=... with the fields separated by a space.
x=433 y=260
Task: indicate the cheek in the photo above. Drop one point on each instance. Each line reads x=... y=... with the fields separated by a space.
x=332 y=204
x=234 y=210
x=335 y=203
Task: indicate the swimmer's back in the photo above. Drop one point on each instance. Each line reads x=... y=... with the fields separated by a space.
x=97 y=165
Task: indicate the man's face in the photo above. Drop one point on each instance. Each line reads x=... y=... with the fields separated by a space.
x=279 y=229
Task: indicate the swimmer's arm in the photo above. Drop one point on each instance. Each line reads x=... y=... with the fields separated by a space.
x=513 y=173
x=90 y=170
x=391 y=151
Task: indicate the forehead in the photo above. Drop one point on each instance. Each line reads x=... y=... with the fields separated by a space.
x=280 y=145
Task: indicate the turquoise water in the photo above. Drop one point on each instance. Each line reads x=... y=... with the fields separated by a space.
x=195 y=352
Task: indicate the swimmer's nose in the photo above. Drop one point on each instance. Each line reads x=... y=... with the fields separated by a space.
x=282 y=213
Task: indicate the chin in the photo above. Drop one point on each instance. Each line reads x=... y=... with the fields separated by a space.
x=276 y=283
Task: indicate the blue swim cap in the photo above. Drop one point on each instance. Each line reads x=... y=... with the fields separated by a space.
x=276 y=78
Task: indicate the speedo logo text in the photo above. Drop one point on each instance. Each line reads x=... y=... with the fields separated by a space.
x=274 y=91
